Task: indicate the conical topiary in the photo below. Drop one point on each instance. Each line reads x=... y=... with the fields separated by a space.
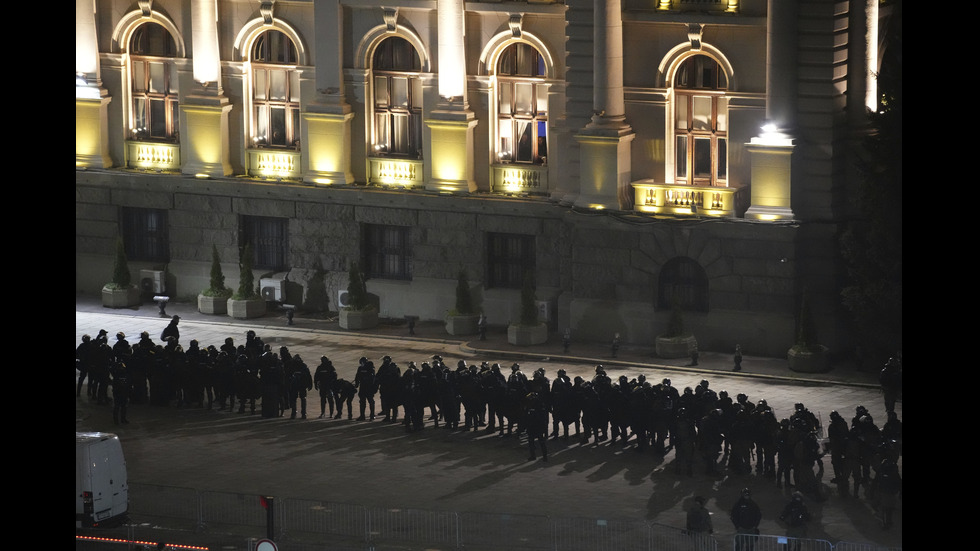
x=464 y=301
x=357 y=288
x=316 y=293
x=121 y=278
x=246 y=284
x=217 y=283
x=529 y=308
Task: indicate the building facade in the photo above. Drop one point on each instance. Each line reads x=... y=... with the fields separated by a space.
x=624 y=154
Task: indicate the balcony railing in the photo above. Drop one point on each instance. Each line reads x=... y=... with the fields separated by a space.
x=272 y=163
x=519 y=178
x=683 y=200
x=386 y=171
x=153 y=156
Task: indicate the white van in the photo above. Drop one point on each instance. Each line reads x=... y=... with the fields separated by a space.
x=101 y=486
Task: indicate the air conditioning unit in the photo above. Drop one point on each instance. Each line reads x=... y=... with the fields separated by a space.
x=272 y=289
x=544 y=311
x=153 y=282
x=343 y=299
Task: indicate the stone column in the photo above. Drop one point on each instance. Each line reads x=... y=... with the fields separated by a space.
x=771 y=151
x=91 y=99
x=604 y=174
x=451 y=123
x=204 y=111
x=327 y=119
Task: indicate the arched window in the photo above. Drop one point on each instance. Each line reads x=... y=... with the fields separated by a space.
x=275 y=91
x=522 y=106
x=701 y=123
x=154 y=83
x=684 y=280
x=397 y=99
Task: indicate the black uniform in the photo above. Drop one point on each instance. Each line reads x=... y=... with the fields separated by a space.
x=324 y=380
x=364 y=381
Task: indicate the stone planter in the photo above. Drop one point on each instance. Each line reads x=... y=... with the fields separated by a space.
x=467 y=324
x=212 y=305
x=808 y=360
x=244 y=309
x=358 y=319
x=524 y=335
x=121 y=298
x=675 y=347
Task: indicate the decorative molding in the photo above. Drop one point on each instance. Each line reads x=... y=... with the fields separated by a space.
x=146 y=6
x=694 y=32
x=391 y=18
x=266 y=10
x=515 y=22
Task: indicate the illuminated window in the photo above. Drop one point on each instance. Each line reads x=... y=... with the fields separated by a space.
x=509 y=258
x=275 y=91
x=145 y=234
x=683 y=279
x=269 y=238
x=154 y=84
x=522 y=106
x=397 y=99
x=701 y=123
x=387 y=252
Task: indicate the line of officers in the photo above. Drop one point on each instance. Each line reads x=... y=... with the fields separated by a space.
x=703 y=427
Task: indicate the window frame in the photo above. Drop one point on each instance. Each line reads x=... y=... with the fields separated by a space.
x=145 y=92
x=697 y=140
x=265 y=106
x=146 y=234
x=389 y=64
x=386 y=251
x=513 y=122
x=269 y=237
x=510 y=257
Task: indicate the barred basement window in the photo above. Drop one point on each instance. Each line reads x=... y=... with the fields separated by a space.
x=684 y=279
x=269 y=239
x=509 y=258
x=145 y=234
x=387 y=252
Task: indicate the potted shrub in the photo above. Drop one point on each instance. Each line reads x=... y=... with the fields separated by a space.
x=120 y=292
x=246 y=302
x=463 y=319
x=316 y=290
x=528 y=330
x=806 y=356
x=214 y=299
x=677 y=342
x=361 y=314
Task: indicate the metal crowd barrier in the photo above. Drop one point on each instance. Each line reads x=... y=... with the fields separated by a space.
x=238 y=521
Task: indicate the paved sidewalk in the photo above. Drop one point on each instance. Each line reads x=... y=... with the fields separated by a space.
x=496 y=345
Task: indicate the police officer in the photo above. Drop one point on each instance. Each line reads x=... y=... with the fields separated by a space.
x=795 y=515
x=300 y=382
x=324 y=380
x=891 y=382
x=120 y=391
x=746 y=516
x=83 y=362
x=699 y=525
x=171 y=330
x=536 y=419
x=366 y=385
